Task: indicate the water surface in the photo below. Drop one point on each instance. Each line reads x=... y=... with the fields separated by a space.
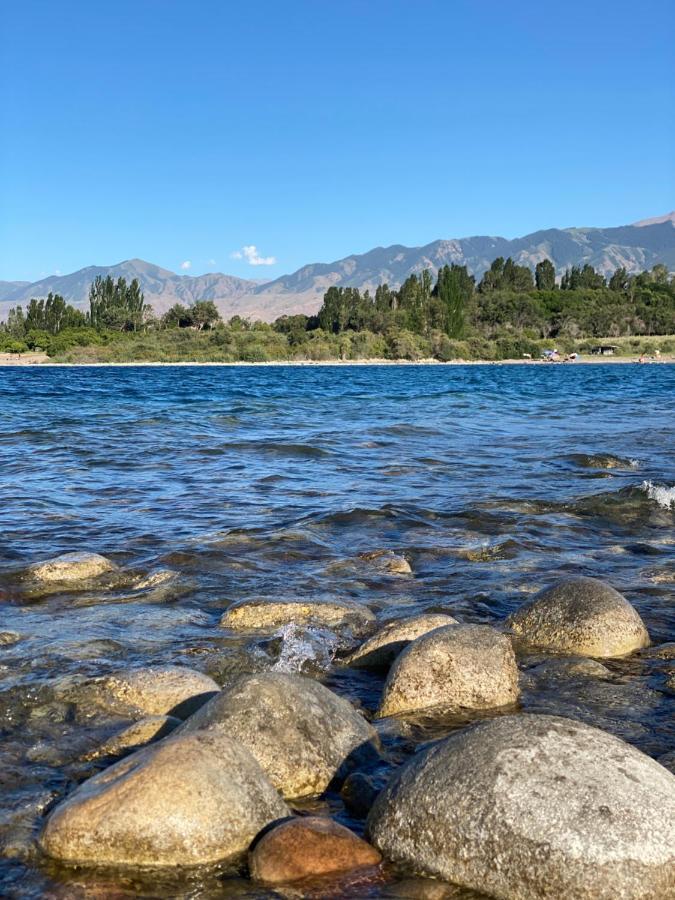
x=270 y=481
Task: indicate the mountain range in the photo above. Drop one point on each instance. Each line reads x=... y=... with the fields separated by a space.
x=636 y=247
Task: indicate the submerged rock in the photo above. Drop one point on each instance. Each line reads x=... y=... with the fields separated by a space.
x=143 y=732
x=458 y=666
x=529 y=807
x=578 y=667
x=302 y=734
x=188 y=800
x=158 y=690
x=71 y=567
x=379 y=651
x=8 y=638
x=308 y=847
x=387 y=561
x=254 y=614
x=583 y=616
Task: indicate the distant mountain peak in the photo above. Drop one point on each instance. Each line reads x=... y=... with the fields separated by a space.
x=657 y=220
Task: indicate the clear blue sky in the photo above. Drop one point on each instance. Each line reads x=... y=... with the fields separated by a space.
x=184 y=131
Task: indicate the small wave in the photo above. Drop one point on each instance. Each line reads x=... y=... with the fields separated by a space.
x=279 y=449
x=660 y=493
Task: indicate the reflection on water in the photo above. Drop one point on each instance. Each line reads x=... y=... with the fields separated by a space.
x=209 y=485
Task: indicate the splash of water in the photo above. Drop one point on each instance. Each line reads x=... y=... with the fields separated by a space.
x=301 y=648
x=660 y=493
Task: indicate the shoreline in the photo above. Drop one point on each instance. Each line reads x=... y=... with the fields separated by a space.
x=42 y=360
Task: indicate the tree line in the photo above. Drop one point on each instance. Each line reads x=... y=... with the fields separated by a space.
x=506 y=312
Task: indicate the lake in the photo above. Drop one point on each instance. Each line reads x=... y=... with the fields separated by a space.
x=208 y=484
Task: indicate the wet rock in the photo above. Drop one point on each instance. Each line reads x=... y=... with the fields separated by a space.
x=307 y=847
x=578 y=667
x=254 y=614
x=467 y=666
x=157 y=691
x=670 y=682
x=667 y=760
x=155 y=579
x=188 y=800
x=302 y=734
x=583 y=616
x=387 y=561
x=661 y=651
x=532 y=807
x=379 y=651
x=359 y=792
x=71 y=567
x=8 y=638
x=137 y=735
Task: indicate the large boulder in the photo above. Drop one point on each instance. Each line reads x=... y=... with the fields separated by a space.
x=188 y=800
x=71 y=567
x=528 y=806
x=251 y=615
x=134 y=736
x=379 y=651
x=583 y=616
x=157 y=691
x=459 y=666
x=308 y=847
x=302 y=734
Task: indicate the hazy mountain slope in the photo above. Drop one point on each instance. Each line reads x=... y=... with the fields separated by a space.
x=638 y=246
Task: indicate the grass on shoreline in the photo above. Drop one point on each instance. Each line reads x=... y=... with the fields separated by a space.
x=224 y=345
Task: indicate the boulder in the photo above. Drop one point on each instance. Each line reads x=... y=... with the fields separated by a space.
x=71 y=567
x=251 y=615
x=379 y=651
x=302 y=734
x=458 y=667
x=137 y=735
x=188 y=800
x=533 y=806
x=157 y=691
x=582 y=616
x=308 y=847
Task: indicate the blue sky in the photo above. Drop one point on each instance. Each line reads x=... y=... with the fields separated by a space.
x=184 y=132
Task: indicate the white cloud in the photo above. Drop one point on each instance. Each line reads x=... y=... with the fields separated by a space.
x=211 y=262
x=252 y=257
x=186 y=265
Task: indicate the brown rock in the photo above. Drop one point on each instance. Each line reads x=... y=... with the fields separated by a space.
x=379 y=651
x=158 y=690
x=135 y=736
x=250 y=615
x=71 y=567
x=188 y=800
x=308 y=847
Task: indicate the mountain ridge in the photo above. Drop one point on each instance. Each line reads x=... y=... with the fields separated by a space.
x=637 y=246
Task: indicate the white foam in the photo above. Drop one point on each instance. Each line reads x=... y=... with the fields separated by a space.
x=297 y=649
x=660 y=493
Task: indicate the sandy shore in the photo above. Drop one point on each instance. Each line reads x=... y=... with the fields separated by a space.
x=41 y=359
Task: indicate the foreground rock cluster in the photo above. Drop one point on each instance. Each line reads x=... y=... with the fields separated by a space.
x=517 y=806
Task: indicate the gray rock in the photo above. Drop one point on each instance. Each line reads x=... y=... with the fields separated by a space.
x=459 y=666
x=135 y=736
x=379 y=651
x=302 y=734
x=188 y=800
x=524 y=807
x=582 y=616
x=157 y=691
x=553 y=669
x=71 y=567
x=250 y=615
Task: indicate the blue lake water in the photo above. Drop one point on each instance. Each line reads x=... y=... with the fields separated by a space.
x=270 y=481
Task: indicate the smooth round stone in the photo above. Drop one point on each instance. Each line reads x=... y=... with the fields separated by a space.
x=308 y=847
x=379 y=651
x=258 y=614
x=531 y=806
x=459 y=666
x=158 y=690
x=302 y=734
x=188 y=800
x=137 y=735
x=582 y=616
x=71 y=567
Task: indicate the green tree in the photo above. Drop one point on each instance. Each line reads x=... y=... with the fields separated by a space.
x=544 y=275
